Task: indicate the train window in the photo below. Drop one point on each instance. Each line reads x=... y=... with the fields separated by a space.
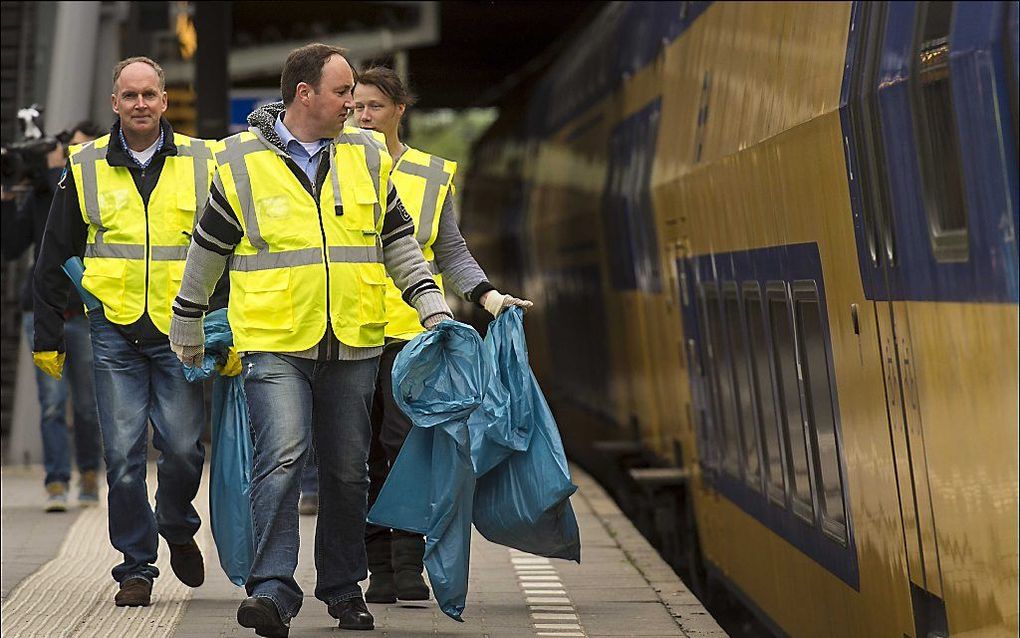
x=709 y=297
x=771 y=438
x=726 y=398
x=867 y=130
x=820 y=409
x=935 y=129
x=743 y=387
x=787 y=380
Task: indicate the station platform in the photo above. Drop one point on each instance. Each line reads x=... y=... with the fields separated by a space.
x=56 y=582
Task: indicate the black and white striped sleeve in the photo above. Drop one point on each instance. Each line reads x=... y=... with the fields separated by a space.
x=397 y=223
x=217 y=234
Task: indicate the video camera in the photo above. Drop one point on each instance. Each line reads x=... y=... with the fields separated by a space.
x=25 y=160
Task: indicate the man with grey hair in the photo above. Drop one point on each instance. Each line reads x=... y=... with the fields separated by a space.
x=127 y=203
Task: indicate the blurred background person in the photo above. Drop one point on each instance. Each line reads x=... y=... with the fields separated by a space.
x=425 y=185
x=23 y=227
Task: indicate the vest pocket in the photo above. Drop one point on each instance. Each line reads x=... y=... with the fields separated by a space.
x=267 y=300
x=361 y=216
x=104 y=278
x=372 y=297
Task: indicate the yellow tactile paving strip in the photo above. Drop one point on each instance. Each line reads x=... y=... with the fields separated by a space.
x=72 y=595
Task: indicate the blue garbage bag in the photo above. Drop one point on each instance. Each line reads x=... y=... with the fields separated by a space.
x=500 y=426
x=231 y=465
x=524 y=501
x=230 y=479
x=485 y=449
x=439 y=380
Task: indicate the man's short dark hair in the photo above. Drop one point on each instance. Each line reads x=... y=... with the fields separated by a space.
x=305 y=65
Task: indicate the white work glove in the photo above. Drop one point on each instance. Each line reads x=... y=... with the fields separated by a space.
x=187 y=340
x=495 y=302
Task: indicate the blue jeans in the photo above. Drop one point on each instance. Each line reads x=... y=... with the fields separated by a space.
x=135 y=384
x=53 y=404
x=290 y=401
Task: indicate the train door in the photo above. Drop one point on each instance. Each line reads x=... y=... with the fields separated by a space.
x=940 y=252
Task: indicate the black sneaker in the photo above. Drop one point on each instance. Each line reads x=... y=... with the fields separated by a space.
x=353 y=614
x=262 y=615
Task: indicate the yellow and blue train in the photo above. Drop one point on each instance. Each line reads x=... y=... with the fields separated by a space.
x=774 y=245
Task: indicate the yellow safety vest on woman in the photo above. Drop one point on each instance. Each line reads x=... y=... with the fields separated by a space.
x=135 y=253
x=423 y=182
x=296 y=248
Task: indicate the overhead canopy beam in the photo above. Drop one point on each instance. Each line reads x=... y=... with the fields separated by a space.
x=267 y=60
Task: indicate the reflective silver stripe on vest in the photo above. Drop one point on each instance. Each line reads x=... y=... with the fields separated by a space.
x=87 y=158
x=233 y=156
x=371 y=147
x=355 y=254
x=282 y=259
x=334 y=173
x=119 y=251
x=200 y=154
x=435 y=178
x=169 y=253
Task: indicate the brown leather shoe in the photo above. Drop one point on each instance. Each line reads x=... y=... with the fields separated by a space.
x=134 y=592
x=186 y=561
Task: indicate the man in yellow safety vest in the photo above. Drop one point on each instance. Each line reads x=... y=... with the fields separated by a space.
x=304 y=212
x=127 y=203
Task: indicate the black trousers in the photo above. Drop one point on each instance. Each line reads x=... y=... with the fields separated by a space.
x=389 y=429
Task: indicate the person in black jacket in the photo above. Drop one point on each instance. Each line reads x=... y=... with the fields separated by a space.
x=23 y=227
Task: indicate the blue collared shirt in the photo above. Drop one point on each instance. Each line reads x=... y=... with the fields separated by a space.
x=308 y=162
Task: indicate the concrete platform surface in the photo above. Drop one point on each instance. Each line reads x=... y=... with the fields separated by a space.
x=56 y=582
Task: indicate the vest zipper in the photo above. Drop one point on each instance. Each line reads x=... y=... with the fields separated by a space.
x=325 y=261
x=312 y=191
x=145 y=254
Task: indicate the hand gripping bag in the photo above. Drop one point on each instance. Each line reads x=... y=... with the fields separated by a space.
x=524 y=501
x=439 y=379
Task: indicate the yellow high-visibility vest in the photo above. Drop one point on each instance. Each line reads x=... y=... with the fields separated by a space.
x=423 y=182
x=294 y=246
x=135 y=254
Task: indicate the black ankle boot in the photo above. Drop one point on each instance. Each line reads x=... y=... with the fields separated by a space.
x=381 y=587
x=408 y=551
x=353 y=614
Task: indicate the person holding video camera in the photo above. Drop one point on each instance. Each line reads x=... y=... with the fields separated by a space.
x=22 y=227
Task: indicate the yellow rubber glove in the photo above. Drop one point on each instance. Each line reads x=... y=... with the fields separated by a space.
x=232 y=366
x=50 y=362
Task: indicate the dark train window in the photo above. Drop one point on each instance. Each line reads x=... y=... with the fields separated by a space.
x=726 y=425
x=935 y=129
x=821 y=411
x=770 y=435
x=866 y=121
x=787 y=380
x=741 y=368
x=709 y=297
